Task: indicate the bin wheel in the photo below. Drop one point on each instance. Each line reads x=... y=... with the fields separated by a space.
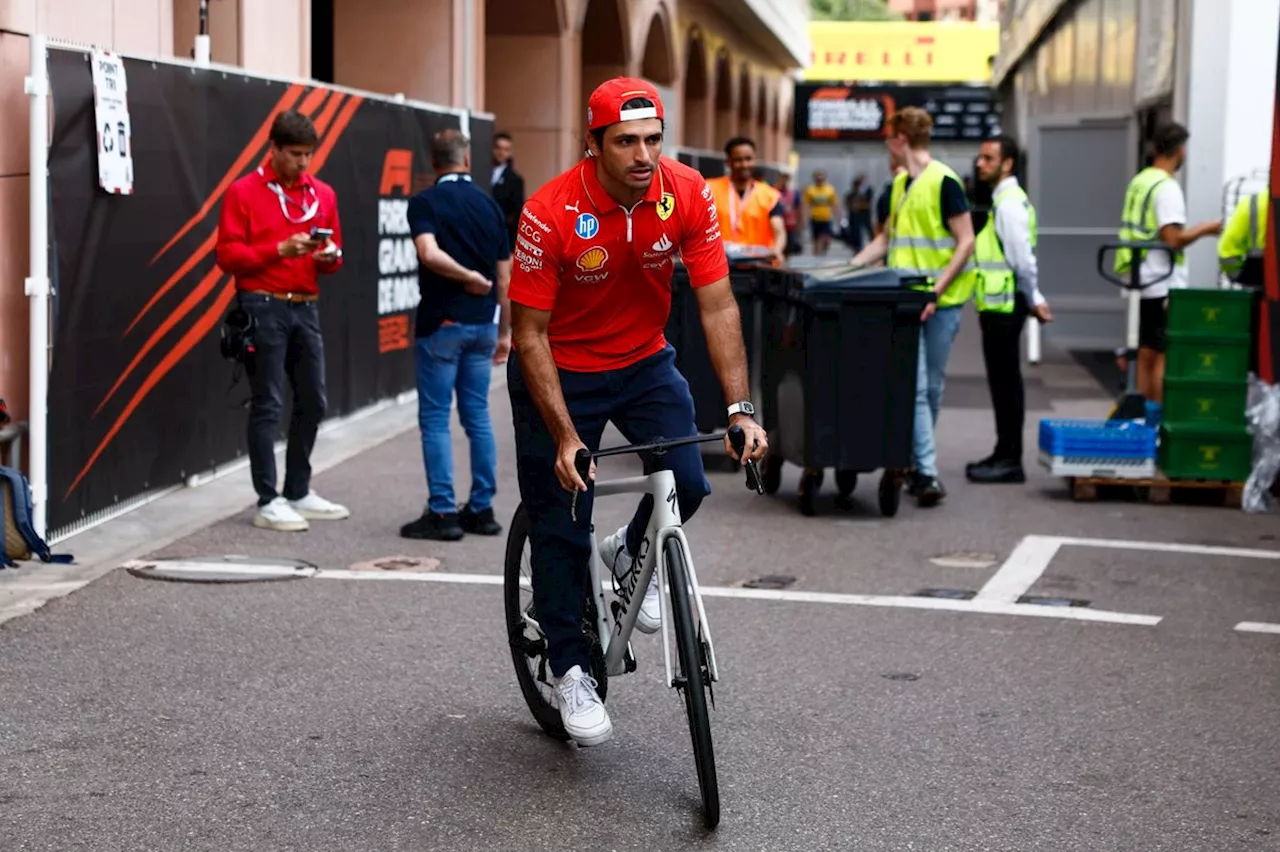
x=810 y=485
x=772 y=474
x=846 y=481
x=890 y=493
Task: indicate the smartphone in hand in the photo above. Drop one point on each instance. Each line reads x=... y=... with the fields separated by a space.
x=321 y=234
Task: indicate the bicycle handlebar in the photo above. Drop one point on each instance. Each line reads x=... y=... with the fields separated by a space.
x=1134 y=281
x=737 y=439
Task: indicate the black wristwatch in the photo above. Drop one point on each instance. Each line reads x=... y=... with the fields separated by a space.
x=742 y=407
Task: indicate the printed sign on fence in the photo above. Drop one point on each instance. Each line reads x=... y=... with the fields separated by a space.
x=111 y=109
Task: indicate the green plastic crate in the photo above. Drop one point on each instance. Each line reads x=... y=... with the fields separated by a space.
x=1204 y=401
x=1219 y=357
x=1202 y=311
x=1205 y=451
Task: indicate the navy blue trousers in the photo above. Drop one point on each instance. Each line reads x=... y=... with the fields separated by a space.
x=647 y=401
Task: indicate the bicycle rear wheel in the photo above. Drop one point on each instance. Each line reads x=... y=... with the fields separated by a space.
x=528 y=644
x=692 y=677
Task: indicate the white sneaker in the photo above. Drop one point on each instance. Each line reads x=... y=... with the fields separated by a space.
x=581 y=710
x=278 y=515
x=614 y=554
x=317 y=508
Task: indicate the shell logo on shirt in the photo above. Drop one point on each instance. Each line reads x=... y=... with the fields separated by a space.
x=592 y=259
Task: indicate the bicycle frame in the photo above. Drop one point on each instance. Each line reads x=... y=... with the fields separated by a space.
x=664 y=524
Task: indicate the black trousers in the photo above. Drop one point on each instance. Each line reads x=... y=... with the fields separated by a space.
x=288 y=348
x=1001 y=336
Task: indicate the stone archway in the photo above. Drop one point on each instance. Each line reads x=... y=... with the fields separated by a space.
x=696 y=120
x=725 y=120
x=603 y=41
x=761 y=127
x=657 y=64
x=529 y=103
x=745 y=101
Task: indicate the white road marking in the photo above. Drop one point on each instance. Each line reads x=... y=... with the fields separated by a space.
x=1033 y=554
x=1021 y=570
x=1168 y=547
x=1258 y=627
x=984 y=607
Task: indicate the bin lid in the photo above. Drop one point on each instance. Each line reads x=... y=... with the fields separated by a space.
x=737 y=253
x=845 y=277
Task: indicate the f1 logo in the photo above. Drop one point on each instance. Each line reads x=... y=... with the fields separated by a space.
x=397 y=172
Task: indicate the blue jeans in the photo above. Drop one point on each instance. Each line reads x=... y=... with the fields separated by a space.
x=457 y=357
x=646 y=401
x=936 y=338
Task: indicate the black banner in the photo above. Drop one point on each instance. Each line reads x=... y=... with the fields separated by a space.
x=139 y=394
x=850 y=113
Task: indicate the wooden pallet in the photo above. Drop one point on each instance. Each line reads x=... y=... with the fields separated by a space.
x=1159 y=489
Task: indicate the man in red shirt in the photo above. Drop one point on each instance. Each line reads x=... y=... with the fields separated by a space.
x=279 y=229
x=590 y=295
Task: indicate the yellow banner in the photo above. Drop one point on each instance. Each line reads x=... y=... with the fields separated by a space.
x=902 y=51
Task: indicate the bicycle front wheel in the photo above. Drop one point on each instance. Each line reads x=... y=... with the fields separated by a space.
x=692 y=678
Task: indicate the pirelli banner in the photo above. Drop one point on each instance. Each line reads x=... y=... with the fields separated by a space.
x=140 y=396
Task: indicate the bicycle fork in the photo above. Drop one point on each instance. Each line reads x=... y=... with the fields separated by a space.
x=664 y=598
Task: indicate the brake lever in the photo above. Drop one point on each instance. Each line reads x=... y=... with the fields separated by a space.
x=582 y=463
x=738 y=440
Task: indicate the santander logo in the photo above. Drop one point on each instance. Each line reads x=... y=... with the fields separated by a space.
x=663 y=245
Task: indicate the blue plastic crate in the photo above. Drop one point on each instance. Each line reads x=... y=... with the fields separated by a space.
x=1116 y=439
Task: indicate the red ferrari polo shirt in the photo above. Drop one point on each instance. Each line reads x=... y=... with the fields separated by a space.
x=605 y=273
x=255 y=220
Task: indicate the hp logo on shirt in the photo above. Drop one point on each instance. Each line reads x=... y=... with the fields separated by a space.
x=587 y=226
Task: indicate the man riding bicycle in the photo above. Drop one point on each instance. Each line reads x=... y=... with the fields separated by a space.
x=590 y=295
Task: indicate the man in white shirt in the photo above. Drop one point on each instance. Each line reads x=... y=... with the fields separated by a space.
x=1155 y=209
x=1007 y=290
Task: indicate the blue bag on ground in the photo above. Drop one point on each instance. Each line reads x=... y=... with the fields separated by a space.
x=21 y=541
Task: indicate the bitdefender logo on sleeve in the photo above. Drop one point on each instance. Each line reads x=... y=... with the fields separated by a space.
x=398 y=293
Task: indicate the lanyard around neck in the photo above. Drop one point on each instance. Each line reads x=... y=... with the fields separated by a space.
x=737 y=203
x=309 y=208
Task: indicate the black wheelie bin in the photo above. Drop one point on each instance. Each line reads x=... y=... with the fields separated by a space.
x=840 y=348
x=684 y=332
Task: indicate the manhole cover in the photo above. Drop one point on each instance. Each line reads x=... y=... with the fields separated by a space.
x=1050 y=600
x=949 y=594
x=222 y=569
x=398 y=563
x=964 y=559
x=770 y=581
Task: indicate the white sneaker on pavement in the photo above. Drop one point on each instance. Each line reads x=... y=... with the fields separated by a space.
x=317 y=508
x=581 y=710
x=278 y=515
x=614 y=554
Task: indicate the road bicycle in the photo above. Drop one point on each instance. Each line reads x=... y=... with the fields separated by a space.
x=607 y=624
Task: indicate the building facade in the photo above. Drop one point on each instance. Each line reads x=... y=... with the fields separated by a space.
x=1084 y=82
x=725 y=67
x=945 y=10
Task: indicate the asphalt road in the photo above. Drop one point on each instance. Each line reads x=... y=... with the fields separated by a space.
x=383 y=714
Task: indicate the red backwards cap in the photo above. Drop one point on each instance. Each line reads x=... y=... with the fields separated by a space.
x=605 y=105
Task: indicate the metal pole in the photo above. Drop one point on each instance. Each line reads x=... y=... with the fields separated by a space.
x=37 y=283
x=204 y=48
